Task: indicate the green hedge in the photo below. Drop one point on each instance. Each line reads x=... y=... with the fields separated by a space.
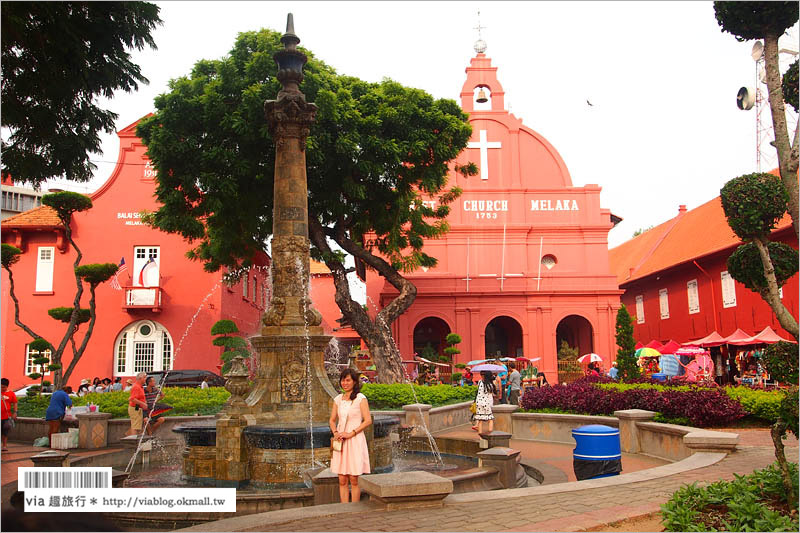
x=191 y=401
x=400 y=394
x=762 y=404
x=184 y=402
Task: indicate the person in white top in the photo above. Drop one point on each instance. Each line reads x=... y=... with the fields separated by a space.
x=204 y=384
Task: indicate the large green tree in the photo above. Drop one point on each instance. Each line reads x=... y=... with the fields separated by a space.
x=626 y=356
x=65 y=204
x=768 y=20
x=57 y=59
x=373 y=152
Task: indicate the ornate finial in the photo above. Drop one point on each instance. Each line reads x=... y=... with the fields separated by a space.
x=480 y=44
x=289 y=39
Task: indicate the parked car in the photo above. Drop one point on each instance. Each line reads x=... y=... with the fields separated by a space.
x=23 y=392
x=188 y=378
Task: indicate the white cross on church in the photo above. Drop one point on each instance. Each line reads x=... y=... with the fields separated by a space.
x=483 y=144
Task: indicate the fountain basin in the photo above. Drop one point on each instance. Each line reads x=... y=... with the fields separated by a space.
x=278 y=456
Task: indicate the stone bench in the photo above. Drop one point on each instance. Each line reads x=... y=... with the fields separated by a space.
x=403 y=490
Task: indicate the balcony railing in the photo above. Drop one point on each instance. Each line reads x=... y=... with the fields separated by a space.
x=143 y=298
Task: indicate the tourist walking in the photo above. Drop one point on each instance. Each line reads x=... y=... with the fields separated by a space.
x=349 y=417
x=137 y=405
x=59 y=402
x=484 y=401
x=204 y=383
x=9 y=411
x=613 y=372
x=514 y=384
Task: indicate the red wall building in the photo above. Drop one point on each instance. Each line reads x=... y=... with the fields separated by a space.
x=677 y=285
x=525 y=263
x=162 y=315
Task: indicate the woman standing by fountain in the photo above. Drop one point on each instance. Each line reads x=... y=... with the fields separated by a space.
x=484 y=400
x=349 y=417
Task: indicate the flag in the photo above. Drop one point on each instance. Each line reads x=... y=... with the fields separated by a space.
x=121 y=268
x=149 y=262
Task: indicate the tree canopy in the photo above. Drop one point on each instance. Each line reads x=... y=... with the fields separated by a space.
x=754 y=20
x=373 y=147
x=57 y=59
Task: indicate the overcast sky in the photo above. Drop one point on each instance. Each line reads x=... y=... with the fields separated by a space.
x=663 y=129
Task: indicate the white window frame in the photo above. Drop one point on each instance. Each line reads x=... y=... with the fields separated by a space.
x=693 y=296
x=141 y=255
x=163 y=348
x=45 y=268
x=30 y=355
x=663 y=303
x=244 y=285
x=728 y=290
x=640 y=309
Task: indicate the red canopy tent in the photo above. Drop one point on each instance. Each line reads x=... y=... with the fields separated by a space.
x=712 y=339
x=638 y=345
x=766 y=336
x=670 y=347
x=654 y=344
x=738 y=338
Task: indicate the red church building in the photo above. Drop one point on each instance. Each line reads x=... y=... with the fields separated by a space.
x=525 y=263
x=676 y=280
x=157 y=317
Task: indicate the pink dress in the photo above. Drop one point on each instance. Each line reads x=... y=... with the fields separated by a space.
x=353 y=460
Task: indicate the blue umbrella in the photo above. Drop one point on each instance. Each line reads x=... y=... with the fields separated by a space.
x=489 y=367
x=477 y=362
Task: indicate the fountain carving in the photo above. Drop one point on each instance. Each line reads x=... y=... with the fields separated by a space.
x=270 y=434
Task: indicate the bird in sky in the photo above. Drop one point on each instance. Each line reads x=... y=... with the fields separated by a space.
x=588 y=102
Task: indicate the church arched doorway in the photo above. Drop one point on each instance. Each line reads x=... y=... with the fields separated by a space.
x=577 y=332
x=503 y=338
x=430 y=337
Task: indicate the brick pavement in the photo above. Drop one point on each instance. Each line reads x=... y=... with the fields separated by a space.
x=576 y=510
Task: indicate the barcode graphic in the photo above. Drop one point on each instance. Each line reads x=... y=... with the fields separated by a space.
x=66 y=479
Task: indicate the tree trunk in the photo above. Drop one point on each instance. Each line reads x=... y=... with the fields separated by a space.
x=377 y=334
x=777 y=431
x=17 y=321
x=787 y=154
x=771 y=295
x=78 y=353
x=76 y=306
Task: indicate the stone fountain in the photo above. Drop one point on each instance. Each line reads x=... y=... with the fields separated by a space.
x=272 y=433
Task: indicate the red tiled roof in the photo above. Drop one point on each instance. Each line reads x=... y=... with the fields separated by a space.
x=691 y=234
x=318 y=268
x=42 y=216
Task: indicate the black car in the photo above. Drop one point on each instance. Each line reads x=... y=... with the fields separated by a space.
x=188 y=378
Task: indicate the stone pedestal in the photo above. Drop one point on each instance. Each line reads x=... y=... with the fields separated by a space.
x=51 y=459
x=502 y=417
x=404 y=490
x=505 y=460
x=711 y=441
x=326 y=487
x=628 y=432
x=282 y=386
x=417 y=416
x=231 y=463
x=93 y=429
x=495 y=439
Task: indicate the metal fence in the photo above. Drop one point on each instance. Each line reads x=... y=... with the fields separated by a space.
x=569 y=371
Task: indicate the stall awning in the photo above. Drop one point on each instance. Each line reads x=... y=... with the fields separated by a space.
x=766 y=336
x=670 y=347
x=423 y=360
x=654 y=344
x=710 y=340
x=737 y=338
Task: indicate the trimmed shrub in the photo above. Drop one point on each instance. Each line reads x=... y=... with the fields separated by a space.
x=397 y=395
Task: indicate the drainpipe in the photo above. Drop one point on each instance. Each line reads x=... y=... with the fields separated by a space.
x=713 y=296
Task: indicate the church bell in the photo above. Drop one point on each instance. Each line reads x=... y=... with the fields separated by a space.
x=482 y=97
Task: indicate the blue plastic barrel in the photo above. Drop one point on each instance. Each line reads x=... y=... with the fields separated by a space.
x=660 y=377
x=597 y=452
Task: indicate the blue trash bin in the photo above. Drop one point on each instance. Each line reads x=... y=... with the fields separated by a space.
x=660 y=377
x=597 y=452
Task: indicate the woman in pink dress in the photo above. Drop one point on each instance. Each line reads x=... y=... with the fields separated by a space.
x=349 y=417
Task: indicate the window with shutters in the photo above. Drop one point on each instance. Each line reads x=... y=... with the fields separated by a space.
x=640 y=309
x=44 y=269
x=30 y=367
x=150 y=345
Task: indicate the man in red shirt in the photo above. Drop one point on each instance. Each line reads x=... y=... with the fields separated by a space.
x=137 y=404
x=9 y=411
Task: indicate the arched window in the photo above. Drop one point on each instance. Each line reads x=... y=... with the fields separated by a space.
x=143 y=346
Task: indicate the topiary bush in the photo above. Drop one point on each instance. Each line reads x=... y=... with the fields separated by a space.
x=745 y=265
x=754 y=203
x=397 y=395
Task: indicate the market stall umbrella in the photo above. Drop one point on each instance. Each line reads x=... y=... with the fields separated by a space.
x=647 y=352
x=590 y=358
x=477 y=362
x=690 y=350
x=487 y=367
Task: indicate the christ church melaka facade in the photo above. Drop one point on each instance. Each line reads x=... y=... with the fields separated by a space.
x=157 y=314
x=525 y=263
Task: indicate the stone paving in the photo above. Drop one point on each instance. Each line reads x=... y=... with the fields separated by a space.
x=574 y=510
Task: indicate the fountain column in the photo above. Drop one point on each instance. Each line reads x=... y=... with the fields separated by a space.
x=284 y=391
